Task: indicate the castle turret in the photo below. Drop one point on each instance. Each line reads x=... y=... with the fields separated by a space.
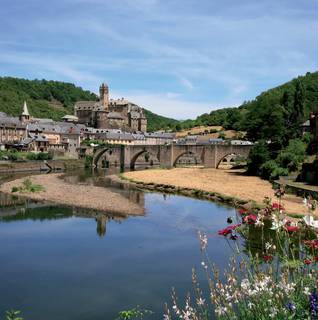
x=24 y=116
x=104 y=96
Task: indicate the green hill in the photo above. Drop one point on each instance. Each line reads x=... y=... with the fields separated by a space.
x=285 y=106
x=54 y=99
x=156 y=122
x=46 y=99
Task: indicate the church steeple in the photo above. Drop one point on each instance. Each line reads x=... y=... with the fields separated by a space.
x=25 y=116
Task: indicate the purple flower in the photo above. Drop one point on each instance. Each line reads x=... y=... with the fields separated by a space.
x=290 y=307
x=313 y=305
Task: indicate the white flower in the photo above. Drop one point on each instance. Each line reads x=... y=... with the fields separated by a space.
x=310 y=221
x=245 y=284
x=259 y=222
x=268 y=245
x=276 y=223
x=200 y=301
x=306 y=291
x=250 y=305
x=220 y=310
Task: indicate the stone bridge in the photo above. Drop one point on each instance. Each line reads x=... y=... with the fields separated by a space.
x=167 y=155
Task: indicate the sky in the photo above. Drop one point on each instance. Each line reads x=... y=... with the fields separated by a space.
x=178 y=58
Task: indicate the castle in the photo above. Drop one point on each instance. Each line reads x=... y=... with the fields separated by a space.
x=111 y=114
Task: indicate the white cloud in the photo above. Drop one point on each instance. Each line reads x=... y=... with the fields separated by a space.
x=170 y=105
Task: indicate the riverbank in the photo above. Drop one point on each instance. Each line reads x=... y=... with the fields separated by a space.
x=229 y=186
x=76 y=195
x=38 y=165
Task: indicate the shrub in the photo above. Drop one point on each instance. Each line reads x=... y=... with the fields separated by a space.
x=14 y=189
x=270 y=170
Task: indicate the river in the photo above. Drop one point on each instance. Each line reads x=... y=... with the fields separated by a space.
x=60 y=263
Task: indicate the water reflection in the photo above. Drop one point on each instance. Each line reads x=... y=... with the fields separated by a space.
x=35 y=211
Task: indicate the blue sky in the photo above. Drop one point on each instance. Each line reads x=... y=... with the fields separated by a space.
x=179 y=58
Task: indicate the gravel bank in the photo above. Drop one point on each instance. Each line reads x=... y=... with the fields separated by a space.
x=82 y=196
x=227 y=182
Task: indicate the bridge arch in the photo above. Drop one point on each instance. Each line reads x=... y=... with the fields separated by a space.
x=99 y=155
x=188 y=152
x=138 y=154
x=231 y=156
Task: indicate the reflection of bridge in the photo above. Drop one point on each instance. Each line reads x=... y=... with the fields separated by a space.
x=168 y=155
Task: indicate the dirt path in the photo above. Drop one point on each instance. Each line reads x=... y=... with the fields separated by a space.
x=82 y=196
x=227 y=182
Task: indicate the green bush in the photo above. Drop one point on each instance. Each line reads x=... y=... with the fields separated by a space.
x=14 y=189
x=39 y=156
x=271 y=170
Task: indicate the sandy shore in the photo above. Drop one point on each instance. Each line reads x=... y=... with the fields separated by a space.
x=227 y=182
x=82 y=196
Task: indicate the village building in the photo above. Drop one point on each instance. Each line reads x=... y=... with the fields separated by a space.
x=12 y=130
x=110 y=114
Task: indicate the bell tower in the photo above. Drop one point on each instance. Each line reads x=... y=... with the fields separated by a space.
x=104 y=96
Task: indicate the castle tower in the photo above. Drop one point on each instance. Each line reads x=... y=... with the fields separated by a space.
x=24 y=116
x=104 y=96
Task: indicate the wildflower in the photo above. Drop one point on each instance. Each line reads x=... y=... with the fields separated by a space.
x=220 y=310
x=267 y=258
x=267 y=245
x=250 y=219
x=306 y=291
x=259 y=222
x=310 y=221
x=307 y=261
x=228 y=230
x=224 y=232
x=276 y=225
x=245 y=284
x=313 y=304
x=277 y=206
x=200 y=301
x=242 y=212
x=290 y=307
x=291 y=228
x=312 y=243
x=250 y=305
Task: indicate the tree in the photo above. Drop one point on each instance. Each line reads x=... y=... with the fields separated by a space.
x=258 y=155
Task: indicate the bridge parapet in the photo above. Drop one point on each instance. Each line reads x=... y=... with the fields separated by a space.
x=209 y=154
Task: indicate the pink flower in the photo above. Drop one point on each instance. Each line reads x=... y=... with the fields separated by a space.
x=291 y=228
x=242 y=212
x=250 y=219
x=228 y=230
x=225 y=232
x=267 y=258
x=307 y=261
x=312 y=243
x=277 y=206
